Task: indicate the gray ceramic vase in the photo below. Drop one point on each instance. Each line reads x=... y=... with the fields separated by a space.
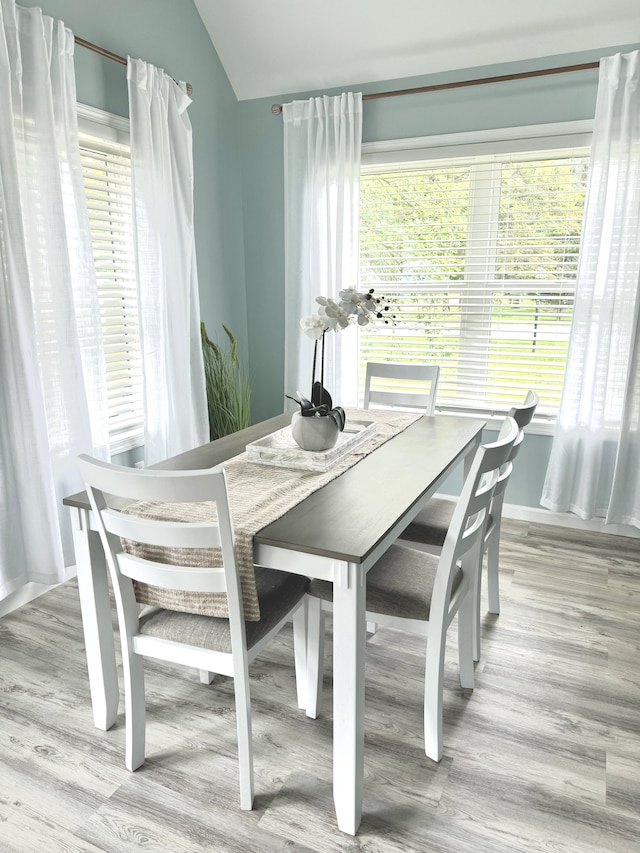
x=314 y=433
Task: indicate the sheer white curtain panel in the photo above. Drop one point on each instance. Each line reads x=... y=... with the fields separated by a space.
x=594 y=469
x=175 y=403
x=52 y=383
x=322 y=152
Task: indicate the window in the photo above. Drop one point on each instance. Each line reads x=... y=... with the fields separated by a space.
x=106 y=167
x=479 y=253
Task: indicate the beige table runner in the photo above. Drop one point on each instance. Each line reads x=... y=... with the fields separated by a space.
x=258 y=495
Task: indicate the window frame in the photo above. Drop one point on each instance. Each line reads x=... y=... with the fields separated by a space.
x=409 y=153
x=112 y=129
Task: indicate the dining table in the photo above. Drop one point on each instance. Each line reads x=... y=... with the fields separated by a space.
x=335 y=534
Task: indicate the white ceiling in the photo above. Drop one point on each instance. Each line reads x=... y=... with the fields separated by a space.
x=274 y=47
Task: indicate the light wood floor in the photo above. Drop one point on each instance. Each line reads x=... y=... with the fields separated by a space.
x=544 y=755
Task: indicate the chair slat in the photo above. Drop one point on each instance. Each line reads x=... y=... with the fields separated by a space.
x=402 y=395
x=170 y=534
x=183 y=578
x=399 y=398
x=154 y=485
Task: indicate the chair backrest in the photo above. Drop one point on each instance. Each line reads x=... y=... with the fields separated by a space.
x=113 y=491
x=465 y=535
x=408 y=386
x=522 y=415
x=507 y=467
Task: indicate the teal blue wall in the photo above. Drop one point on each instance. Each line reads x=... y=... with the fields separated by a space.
x=238 y=161
x=172 y=36
x=566 y=97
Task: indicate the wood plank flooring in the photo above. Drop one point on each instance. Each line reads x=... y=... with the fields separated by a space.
x=544 y=755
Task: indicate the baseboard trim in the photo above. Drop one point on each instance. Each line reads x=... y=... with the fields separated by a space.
x=29 y=592
x=538 y=515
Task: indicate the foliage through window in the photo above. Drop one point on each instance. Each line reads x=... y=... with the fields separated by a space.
x=106 y=166
x=479 y=255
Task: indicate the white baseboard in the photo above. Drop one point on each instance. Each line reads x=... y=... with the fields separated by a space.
x=538 y=515
x=29 y=592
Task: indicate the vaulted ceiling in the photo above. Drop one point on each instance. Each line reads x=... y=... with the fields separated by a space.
x=274 y=47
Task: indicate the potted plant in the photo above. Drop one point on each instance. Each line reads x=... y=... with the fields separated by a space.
x=318 y=423
x=228 y=386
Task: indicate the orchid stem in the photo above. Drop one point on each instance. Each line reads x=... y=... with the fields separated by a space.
x=313 y=371
x=322 y=363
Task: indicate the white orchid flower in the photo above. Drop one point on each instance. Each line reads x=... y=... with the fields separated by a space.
x=324 y=301
x=349 y=300
x=314 y=325
x=337 y=317
x=356 y=297
x=349 y=294
x=353 y=307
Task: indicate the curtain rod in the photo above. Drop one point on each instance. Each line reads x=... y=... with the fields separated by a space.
x=276 y=109
x=109 y=55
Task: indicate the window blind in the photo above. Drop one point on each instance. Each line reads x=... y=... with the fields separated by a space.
x=479 y=257
x=106 y=167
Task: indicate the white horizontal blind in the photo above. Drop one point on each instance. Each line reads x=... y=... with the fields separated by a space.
x=106 y=167
x=479 y=257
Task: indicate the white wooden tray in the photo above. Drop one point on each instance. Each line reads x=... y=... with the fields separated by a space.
x=280 y=449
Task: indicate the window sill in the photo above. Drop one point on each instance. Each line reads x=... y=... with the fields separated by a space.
x=126 y=441
x=542 y=427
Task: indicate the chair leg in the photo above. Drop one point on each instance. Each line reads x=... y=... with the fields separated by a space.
x=134 y=702
x=245 y=746
x=206 y=677
x=300 y=652
x=493 y=582
x=476 y=601
x=315 y=655
x=433 y=686
x=466 y=638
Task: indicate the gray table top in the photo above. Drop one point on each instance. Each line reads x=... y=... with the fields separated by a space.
x=348 y=517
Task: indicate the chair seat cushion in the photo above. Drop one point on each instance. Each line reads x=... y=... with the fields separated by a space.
x=400 y=584
x=278 y=593
x=430 y=525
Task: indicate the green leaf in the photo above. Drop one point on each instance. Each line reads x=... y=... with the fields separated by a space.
x=228 y=387
x=339 y=416
x=320 y=396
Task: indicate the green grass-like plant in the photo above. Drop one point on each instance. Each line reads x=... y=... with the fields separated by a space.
x=228 y=386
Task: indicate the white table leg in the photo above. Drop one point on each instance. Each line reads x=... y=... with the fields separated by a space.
x=96 y=621
x=349 y=636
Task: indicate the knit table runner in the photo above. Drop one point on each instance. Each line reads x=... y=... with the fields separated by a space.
x=258 y=495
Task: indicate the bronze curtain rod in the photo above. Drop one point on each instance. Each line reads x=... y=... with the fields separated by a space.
x=276 y=109
x=109 y=55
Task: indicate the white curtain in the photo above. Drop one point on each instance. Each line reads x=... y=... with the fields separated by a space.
x=322 y=151
x=52 y=383
x=594 y=468
x=175 y=401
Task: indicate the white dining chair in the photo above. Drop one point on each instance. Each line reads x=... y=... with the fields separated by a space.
x=400 y=385
x=429 y=528
x=420 y=593
x=206 y=643
x=405 y=386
